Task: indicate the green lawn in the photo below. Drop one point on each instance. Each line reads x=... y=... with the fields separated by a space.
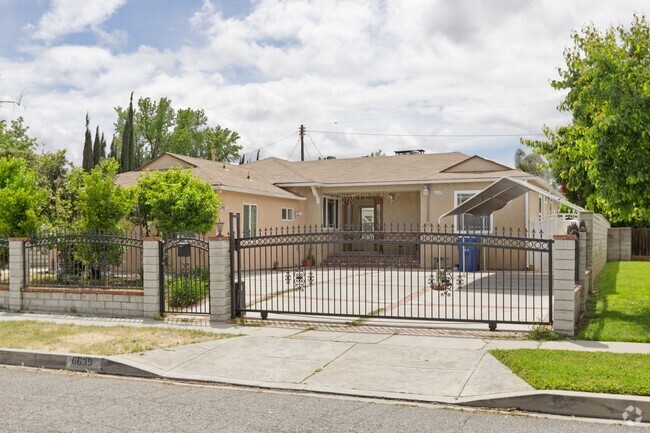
x=620 y=310
x=612 y=373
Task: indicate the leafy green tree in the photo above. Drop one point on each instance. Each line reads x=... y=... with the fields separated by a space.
x=14 y=140
x=88 y=161
x=377 y=153
x=102 y=205
x=175 y=201
x=52 y=171
x=21 y=197
x=602 y=158
x=158 y=128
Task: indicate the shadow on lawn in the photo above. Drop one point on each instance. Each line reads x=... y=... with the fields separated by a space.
x=595 y=320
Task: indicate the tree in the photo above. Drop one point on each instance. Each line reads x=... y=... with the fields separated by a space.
x=21 y=197
x=602 y=157
x=158 y=128
x=175 y=201
x=128 y=159
x=52 y=171
x=88 y=161
x=97 y=148
x=102 y=206
x=14 y=140
x=377 y=153
x=531 y=163
x=102 y=148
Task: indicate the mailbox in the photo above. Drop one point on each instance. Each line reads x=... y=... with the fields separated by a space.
x=183 y=249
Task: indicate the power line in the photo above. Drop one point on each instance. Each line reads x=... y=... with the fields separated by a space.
x=441 y=113
x=428 y=135
x=312 y=142
x=272 y=143
x=294 y=149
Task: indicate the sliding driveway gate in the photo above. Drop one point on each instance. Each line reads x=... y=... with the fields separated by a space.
x=401 y=272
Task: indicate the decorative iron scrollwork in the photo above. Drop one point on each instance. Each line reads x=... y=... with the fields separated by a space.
x=443 y=281
x=297 y=278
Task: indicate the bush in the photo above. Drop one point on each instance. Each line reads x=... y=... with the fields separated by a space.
x=543 y=333
x=187 y=289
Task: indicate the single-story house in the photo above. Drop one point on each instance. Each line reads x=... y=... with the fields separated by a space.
x=365 y=193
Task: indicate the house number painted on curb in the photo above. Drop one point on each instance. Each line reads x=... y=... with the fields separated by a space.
x=83 y=363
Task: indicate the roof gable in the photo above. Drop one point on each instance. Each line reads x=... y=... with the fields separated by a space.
x=165 y=161
x=475 y=164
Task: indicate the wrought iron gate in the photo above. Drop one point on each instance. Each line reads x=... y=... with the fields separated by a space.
x=413 y=273
x=185 y=276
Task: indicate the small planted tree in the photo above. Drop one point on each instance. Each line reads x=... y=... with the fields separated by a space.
x=102 y=205
x=174 y=201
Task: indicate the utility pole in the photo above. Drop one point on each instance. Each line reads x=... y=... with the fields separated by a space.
x=302 y=142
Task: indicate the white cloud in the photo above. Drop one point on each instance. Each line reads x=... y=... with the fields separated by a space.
x=72 y=16
x=418 y=66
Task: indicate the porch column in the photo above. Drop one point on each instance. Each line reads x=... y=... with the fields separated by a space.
x=220 y=292
x=151 y=263
x=16 y=273
x=566 y=294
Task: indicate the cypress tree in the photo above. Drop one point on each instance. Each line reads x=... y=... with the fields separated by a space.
x=97 y=151
x=88 y=161
x=127 y=159
x=102 y=151
x=113 y=151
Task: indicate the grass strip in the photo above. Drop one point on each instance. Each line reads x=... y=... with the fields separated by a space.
x=96 y=340
x=605 y=372
x=620 y=310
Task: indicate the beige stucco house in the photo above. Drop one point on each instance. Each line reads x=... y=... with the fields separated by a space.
x=366 y=193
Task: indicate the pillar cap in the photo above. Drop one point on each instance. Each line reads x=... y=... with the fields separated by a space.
x=218 y=238
x=17 y=239
x=565 y=237
x=152 y=238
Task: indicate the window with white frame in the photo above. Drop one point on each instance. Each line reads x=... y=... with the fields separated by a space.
x=250 y=220
x=287 y=214
x=331 y=213
x=470 y=223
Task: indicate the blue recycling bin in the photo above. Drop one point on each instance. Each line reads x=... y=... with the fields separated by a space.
x=468 y=254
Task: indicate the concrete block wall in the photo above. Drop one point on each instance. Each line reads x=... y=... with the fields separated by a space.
x=96 y=302
x=597 y=228
x=566 y=293
x=619 y=244
x=151 y=276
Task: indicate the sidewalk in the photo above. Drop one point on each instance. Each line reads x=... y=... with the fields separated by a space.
x=381 y=365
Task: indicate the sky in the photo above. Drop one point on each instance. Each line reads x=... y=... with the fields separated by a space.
x=361 y=75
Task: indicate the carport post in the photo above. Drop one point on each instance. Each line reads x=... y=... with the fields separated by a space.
x=220 y=293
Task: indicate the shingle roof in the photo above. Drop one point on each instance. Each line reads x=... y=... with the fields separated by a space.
x=264 y=176
x=384 y=169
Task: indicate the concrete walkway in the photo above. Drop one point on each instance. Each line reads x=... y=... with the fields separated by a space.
x=417 y=367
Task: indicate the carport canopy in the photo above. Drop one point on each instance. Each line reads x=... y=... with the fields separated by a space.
x=499 y=194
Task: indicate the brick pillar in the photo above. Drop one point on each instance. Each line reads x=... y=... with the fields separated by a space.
x=564 y=284
x=220 y=293
x=16 y=273
x=151 y=261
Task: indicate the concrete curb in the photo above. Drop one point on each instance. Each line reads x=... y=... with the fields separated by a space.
x=566 y=403
x=72 y=362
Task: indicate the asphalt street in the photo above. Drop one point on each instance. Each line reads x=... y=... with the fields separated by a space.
x=47 y=401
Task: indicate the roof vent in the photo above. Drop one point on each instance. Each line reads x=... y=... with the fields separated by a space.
x=410 y=152
x=330 y=157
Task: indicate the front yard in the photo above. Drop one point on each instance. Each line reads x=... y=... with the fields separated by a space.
x=620 y=310
x=96 y=340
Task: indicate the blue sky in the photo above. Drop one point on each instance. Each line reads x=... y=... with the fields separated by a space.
x=471 y=76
